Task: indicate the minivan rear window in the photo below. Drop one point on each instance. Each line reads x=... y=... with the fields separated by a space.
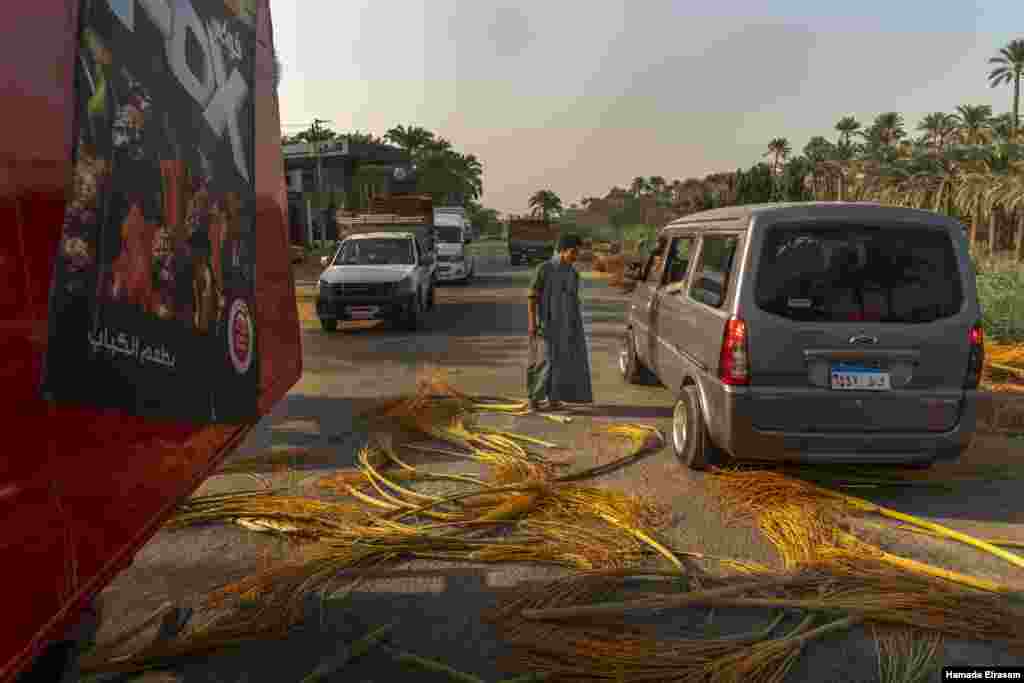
x=855 y=273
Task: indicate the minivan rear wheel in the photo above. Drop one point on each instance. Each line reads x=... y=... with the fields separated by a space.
x=633 y=371
x=690 y=440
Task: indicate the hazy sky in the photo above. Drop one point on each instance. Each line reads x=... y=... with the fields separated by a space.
x=580 y=96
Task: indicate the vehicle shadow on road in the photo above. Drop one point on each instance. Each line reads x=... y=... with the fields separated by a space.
x=624 y=412
x=326 y=433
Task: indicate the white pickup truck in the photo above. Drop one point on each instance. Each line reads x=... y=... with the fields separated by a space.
x=452 y=228
x=376 y=276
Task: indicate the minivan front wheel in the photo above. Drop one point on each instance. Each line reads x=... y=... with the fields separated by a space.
x=690 y=440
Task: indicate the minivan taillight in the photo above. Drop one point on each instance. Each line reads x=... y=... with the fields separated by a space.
x=734 y=362
x=976 y=357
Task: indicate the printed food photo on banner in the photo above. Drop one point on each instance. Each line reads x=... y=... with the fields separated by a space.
x=151 y=301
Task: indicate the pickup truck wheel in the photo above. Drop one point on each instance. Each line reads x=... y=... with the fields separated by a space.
x=412 y=315
x=329 y=325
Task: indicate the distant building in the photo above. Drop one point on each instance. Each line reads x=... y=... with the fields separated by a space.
x=340 y=161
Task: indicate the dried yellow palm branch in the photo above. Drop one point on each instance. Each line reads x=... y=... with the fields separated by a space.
x=513 y=508
x=1004 y=542
x=307 y=514
x=802 y=518
x=855 y=548
x=646 y=538
x=866 y=506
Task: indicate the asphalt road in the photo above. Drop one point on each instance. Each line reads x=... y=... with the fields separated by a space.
x=477 y=333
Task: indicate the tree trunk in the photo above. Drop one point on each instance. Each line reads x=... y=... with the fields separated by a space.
x=1018 y=242
x=992 y=220
x=975 y=219
x=1016 y=108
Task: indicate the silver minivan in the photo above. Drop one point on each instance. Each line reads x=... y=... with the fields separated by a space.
x=811 y=332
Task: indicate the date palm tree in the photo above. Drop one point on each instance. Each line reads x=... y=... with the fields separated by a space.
x=545 y=203
x=639 y=186
x=1009 y=67
x=410 y=138
x=817 y=151
x=937 y=128
x=887 y=129
x=657 y=185
x=973 y=122
x=1003 y=128
x=847 y=126
x=779 y=150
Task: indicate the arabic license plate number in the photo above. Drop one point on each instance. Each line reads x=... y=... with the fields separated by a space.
x=362 y=313
x=860 y=380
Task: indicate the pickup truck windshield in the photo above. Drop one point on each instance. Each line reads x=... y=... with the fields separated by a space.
x=374 y=252
x=449 y=234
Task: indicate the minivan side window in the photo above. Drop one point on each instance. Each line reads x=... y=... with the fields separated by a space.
x=678 y=260
x=653 y=268
x=711 y=278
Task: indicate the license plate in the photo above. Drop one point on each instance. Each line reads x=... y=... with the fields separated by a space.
x=363 y=313
x=852 y=378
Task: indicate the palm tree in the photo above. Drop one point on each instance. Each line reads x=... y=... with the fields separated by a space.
x=973 y=121
x=847 y=126
x=639 y=186
x=817 y=151
x=657 y=184
x=1009 y=68
x=779 y=149
x=1003 y=128
x=469 y=172
x=411 y=138
x=546 y=203
x=937 y=127
x=889 y=128
x=360 y=138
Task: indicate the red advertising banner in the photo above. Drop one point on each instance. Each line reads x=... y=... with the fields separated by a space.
x=151 y=303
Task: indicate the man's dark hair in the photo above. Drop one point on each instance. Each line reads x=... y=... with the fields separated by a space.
x=568 y=242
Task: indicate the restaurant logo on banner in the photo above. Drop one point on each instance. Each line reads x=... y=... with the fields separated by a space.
x=152 y=295
x=240 y=337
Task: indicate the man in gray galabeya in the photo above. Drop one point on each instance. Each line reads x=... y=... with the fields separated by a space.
x=558 y=368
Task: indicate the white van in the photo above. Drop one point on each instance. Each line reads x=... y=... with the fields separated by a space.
x=454 y=264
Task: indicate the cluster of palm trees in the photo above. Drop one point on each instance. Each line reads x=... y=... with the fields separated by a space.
x=968 y=163
x=451 y=177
